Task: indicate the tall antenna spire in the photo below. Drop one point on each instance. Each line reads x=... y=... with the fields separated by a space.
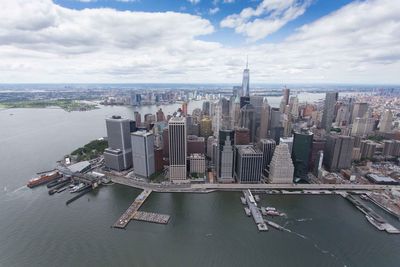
x=247 y=62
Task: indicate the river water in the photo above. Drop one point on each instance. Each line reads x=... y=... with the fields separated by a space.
x=205 y=229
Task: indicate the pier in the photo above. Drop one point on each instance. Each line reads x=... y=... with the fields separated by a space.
x=376 y=220
x=255 y=212
x=151 y=217
x=123 y=221
x=133 y=213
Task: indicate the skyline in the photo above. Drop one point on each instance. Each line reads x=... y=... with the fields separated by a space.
x=87 y=41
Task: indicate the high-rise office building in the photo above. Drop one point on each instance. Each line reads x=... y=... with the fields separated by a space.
x=206 y=127
x=264 y=119
x=288 y=141
x=222 y=137
x=195 y=145
x=267 y=147
x=160 y=115
x=338 y=152
x=281 y=169
x=329 y=110
x=185 y=108
x=367 y=149
x=286 y=94
x=242 y=136
x=317 y=146
x=135 y=99
x=247 y=120
x=227 y=166
x=343 y=116
x=386 y=122
x=165 y=142
x=143 y=153
x=362 y=126
x=246 y=81
x=118 y=155
x=301 y=152
x=177 y=148
x=197 y=164
x=138 y=118
x=206 y=108
x=249 y=164
x=360 y=110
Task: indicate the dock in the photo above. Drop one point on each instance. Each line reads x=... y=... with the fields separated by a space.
x=372 y=217
x=133 y=213
x=125 y=218
x=151 y=217
x=255 y=212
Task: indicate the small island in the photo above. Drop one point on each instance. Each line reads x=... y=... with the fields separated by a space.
x=65 y=104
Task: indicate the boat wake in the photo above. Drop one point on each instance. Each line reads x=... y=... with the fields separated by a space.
x=304 y=220
x=316 y=246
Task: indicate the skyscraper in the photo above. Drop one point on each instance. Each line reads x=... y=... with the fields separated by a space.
x=206 y=127
x=386 y=122
x=226 y=169
x=143 y=153
x=222 y=137
x=206 y=108
x=281 y=168
x=177 y=148
x=246 y=81
x=249 y=164
x=264 y=120
x=286 y=94
x=359 y=110
x=338 y=152
x=267 y=147
x=247 y=120
x=329 y=110
x=160 y=115
x=118 y=155
x=301 y=152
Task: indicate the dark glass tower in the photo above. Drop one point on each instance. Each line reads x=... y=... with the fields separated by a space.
x=301 y=153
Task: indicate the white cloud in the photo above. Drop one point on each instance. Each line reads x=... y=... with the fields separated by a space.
x=213 y=11
x=267 y=18
x=194 y=2
x=43 y=42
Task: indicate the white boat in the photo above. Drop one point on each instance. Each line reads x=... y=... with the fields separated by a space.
x=77 y=188
x=243 y=200
x=378 y=225
x=247 y=211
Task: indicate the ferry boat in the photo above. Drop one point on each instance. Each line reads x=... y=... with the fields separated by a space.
x=44 y=178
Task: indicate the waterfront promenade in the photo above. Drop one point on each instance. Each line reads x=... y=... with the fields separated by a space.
x=207 y=187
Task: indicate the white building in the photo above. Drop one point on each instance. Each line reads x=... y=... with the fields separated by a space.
x=197 y=163
x=281 y=169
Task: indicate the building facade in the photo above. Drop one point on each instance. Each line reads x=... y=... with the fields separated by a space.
x=177 y=148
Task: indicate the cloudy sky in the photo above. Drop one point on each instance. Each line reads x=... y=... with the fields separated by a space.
x=198 y=41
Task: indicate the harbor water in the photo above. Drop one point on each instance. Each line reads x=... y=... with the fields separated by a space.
x=203 y=230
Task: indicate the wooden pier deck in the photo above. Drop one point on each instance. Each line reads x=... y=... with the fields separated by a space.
x=123 y=221
x=151 y=217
